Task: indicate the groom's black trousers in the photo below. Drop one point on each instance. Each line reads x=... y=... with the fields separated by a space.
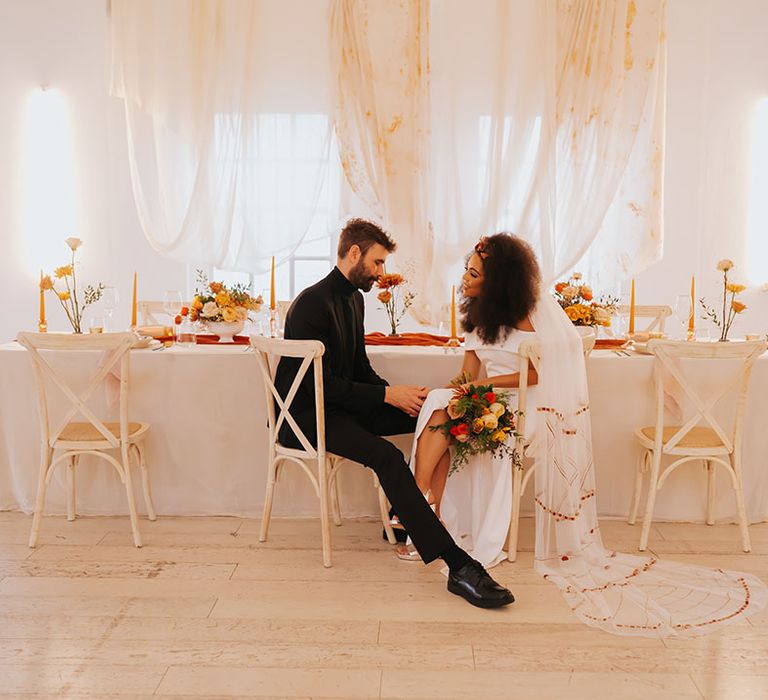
x=357 y=437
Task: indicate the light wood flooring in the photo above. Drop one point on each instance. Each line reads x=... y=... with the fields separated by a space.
x=204 y=610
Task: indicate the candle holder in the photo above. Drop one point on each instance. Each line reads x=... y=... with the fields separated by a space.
x=690 y=335
x=273 y=325
x=453 y=342
x=42 y=327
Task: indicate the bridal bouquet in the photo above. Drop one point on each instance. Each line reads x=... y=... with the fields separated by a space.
x=730 y=310
x=480 y=421
x=215 y=302
x=577 y=301
x=389 y=285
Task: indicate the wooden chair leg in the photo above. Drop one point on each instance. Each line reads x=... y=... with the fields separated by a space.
x=269 y=496
x=746 y=545
x=325 y=525
x=151 y=514
x=71 y=492
x=514 y=525
x=129 y=493
x=650 y=502
x=640 y=469
x=334 y=493
x=45 y=460
x=711 y=489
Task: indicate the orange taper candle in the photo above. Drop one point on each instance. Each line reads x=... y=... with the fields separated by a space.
x=133 y=303
x=272 y=286
x=42 y=300
x=453 y=311
x=632 y=309
x=691 y=322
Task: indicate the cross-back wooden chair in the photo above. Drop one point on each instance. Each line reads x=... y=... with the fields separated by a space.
x=530 y=355
x=94 y=436
x=323 y=474
x=702 y=437
x=657 y=316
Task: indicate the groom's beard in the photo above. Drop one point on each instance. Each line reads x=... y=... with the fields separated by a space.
x=360 y=278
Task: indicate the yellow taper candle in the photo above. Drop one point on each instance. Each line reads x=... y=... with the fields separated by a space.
x=632 y=309
x=272 y=286
x=453 y=311
x=42 y=301
x=691 y=322
x=133 y=303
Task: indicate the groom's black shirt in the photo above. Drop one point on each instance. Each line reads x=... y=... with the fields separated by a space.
x=332 y=311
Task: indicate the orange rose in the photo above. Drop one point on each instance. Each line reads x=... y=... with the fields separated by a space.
x=184 y=310
x=215 y=287
x=560 y=286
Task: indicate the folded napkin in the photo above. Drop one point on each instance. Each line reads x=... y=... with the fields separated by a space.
x=157 y=332
x=208 y=339
x=406 y=339
x=608 y=343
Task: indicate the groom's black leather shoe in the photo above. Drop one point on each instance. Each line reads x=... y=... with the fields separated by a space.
x=473 y=583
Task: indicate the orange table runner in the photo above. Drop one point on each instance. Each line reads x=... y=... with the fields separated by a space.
x=423 y=339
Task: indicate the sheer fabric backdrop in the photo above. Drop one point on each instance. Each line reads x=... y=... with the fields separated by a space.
x=227 y=106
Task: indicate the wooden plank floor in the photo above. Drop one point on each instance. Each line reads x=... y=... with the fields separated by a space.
x=204 y=610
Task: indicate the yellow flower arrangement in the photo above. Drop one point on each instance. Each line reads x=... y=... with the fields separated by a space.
x=215 y=302
x=729 y=311
x=577 y=301
x=68 y=297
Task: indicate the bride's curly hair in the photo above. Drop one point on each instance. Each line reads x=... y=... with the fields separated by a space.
x=511 y=278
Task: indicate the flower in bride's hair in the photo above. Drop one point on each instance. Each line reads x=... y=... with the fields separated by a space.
x=384 y=297
x=454 y=410
x=725 y=265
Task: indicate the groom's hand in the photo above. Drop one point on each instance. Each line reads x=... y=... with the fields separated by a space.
x=407 y=398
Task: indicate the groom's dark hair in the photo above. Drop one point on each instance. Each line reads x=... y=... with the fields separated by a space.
x=511 y=279
x=363 y=234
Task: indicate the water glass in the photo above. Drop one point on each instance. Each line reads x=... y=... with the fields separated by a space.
x=172 y=302
x=96 y=324
x=186 y=335
x=109 y=300
x=683 y=312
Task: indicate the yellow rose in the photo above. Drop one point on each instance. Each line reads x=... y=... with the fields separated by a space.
x=497 y=409
x=223 y=299
x=478 y=425
x=197 y=304
x=46 y=283
x=735 y=288
x=215 y=287
x=63 y=271
x=229 y=314
x=499 y=436
x=573 y=312
x=737 y=306
x=64 y=296
x=490 y=421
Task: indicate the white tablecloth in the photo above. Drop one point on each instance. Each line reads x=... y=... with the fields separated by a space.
x=206 y=447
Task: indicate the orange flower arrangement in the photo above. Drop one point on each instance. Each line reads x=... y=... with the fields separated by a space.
x=577 y=300
x=389 y=285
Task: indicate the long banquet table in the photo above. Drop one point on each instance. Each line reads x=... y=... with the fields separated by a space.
x=207 y=444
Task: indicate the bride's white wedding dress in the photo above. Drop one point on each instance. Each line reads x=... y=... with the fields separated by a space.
x=477 y=503
x=626 y=594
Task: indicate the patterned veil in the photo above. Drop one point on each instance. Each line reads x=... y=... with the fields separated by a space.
x=620 y=593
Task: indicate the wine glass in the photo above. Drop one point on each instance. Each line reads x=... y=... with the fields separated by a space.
x=109 y=300
x=682 y=310
x=172 y=302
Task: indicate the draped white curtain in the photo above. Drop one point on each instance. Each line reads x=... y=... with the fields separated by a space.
x=227 y=110
x=539 y=116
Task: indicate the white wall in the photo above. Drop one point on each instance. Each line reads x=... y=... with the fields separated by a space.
x=718 y=69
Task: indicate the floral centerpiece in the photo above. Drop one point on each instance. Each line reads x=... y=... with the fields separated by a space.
x=480 y=421
x=577 y=301
x=66 y=275
x=216 y=303
x=390 y=287
x=730 y=310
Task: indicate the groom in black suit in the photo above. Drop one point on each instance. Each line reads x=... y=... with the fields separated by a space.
x=360 y=406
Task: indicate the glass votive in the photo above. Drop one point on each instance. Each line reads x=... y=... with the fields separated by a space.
x=96 y=324
x=185 y=332
x=754 y=336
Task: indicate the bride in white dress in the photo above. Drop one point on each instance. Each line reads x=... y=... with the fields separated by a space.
x=621 y=593
x=475 y=503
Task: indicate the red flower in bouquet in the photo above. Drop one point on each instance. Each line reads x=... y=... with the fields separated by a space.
x=480 y=421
